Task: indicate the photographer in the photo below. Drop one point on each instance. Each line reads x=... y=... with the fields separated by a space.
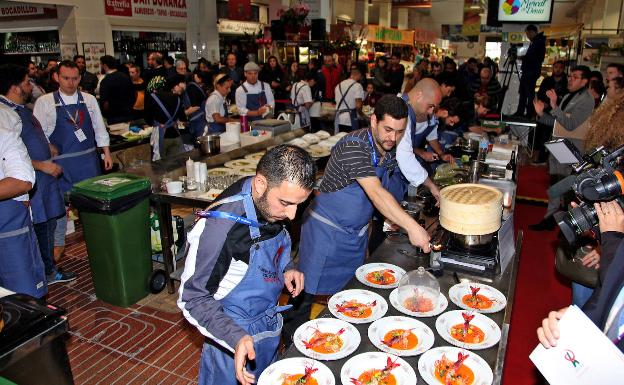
x=606 y=306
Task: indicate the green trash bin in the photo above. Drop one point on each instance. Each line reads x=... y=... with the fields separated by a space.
x=114 y=211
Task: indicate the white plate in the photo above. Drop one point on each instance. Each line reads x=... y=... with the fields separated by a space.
x=319 y=153
x=378 y=330
x=274 y=374
x=426 y=365
x=240 y=163
x=441 y=306
x=361 y=272
x=327 y=143
x=357 y=365
x=255 y=157
x=322 y=134
x=221 y=171
x=246 y=171
x=299 y=143
x=350 y=337
x=310 y=138
x=457 y=292
x=362 y=296
x=452 y=318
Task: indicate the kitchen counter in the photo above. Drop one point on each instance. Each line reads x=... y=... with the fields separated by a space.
x=389 y=252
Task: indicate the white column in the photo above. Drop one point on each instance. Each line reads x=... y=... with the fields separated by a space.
x=202 y=37
x=361 y=12
x=385 y=14
x=403 y=18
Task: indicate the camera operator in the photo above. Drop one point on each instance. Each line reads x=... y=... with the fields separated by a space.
x=606 y=306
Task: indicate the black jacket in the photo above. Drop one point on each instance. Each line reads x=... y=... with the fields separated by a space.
x=534 y=56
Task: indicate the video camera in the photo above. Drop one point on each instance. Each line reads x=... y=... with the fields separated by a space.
x=598 y=177
x=512 y=52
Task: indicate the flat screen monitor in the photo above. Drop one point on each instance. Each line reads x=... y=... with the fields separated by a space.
x=525 y=11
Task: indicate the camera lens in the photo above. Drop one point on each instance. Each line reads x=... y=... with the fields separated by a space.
x=576 y=221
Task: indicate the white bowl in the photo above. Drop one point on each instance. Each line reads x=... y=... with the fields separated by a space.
x=174 y=187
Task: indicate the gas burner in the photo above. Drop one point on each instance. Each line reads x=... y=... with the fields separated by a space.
x=397 y=237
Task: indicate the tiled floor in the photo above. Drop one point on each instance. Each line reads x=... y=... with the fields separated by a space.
x=112 y=345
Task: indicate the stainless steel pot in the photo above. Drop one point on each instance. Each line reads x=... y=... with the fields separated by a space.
x=469 y=241
x=209 y=144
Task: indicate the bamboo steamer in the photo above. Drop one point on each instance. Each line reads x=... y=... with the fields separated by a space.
x=471 y=209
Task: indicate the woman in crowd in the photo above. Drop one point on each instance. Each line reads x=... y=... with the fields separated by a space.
x=372 y=96
x=607 y=122
x=272 y=74
x=379 y=74
x=291 y=77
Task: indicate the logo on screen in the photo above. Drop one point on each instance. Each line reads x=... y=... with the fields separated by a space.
x=511 y=7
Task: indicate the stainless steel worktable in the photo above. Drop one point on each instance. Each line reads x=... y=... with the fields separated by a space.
x=388 y=252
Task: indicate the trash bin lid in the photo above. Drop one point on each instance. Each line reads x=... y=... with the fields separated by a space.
x=111 y=186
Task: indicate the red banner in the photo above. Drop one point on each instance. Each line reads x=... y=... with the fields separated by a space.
x=239 y=9
x=118 y=7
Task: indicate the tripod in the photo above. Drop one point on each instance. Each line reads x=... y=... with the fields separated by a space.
x=510 y=67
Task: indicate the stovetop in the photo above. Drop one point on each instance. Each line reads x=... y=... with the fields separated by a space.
x=23 y=316
x=480 y=259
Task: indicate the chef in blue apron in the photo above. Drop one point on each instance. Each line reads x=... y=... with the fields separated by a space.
x=301 y=98
x=217 y=114
x=163 y=107
x=349 y=95
x=254 y=98
x=194 y=103
x=423 y=101
x=73 y=123
x=334 y=234
x=237 y=264
x=46 y=200
x=21 y=267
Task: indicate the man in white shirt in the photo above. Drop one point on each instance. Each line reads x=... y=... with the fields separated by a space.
x=422 y=101
x=349 y=95
x=21 y=267
x=254 y=98
x=73 y=123
x=301 y=97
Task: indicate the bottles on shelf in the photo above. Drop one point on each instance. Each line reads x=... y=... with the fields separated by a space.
x=27 y=43
x=138 y=42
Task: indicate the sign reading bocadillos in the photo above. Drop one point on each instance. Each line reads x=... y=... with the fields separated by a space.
x=147 y=9
x=12 y=10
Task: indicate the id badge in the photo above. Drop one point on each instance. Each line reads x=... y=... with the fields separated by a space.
x=80 y=135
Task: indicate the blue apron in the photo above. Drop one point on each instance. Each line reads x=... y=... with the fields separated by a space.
x=255 y=101
x=21 y=266
x=352 y=111
x=197 y=120
x=334 y=233
x=160 y=128
x=302 y=111
x=418 y=138
x=252 y=304
x=46 y=199
x=217 y=128
x=79 y=159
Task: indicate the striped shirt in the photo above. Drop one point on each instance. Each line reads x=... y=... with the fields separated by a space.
x=351 y=160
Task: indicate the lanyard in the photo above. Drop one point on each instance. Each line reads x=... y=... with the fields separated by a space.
x=370 y=140
x=231 y=217
x=9 y=103
x=74 y=119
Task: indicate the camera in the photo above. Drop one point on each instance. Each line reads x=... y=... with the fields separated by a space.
x=512 y=53
x=598 y=178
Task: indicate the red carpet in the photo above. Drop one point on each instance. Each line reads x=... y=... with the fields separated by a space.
x=538 y=288
x=533 y=182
